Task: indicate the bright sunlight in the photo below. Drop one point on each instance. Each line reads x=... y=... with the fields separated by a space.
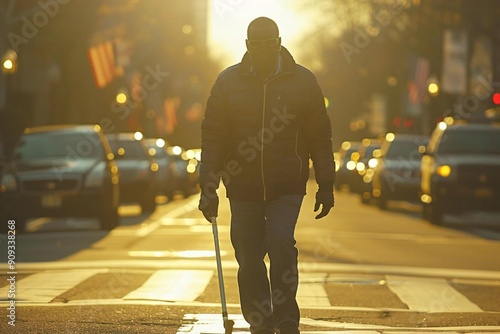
x=229 y=19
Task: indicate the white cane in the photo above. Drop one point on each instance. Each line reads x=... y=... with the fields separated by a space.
x=228 y=324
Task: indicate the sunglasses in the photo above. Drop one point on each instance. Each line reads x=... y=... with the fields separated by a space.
x=263 y=43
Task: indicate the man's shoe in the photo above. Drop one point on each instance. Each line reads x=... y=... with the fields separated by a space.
x=288 y=328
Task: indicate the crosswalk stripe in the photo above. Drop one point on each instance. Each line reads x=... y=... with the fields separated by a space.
x=173 y=285
x=211 y=323
x=185 y=286
x=311 y=290
x=45 y=286
x=430 y=295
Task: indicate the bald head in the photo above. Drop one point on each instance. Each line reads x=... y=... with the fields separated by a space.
x=262 y=28
x=263 y=45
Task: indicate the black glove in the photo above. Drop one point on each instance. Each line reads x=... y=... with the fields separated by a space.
x=209 y=204
x=326 y=199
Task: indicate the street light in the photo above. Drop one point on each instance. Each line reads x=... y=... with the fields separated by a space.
x=121 y=98
x=433 y=86
x=9 y=62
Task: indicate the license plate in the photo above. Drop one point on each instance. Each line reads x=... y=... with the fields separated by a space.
x=482 y=192
x=51 y=201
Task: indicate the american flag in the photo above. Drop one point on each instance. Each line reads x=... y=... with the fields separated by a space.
x=419 y=73
x=102 y=61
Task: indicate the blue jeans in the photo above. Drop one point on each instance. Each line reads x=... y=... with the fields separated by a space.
x=257 y=229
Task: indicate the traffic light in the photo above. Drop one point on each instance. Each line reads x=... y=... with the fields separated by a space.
x=496 y=99
x=493 y=113
x=406 y=122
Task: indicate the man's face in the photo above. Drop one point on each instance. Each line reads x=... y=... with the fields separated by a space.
x=263 y=46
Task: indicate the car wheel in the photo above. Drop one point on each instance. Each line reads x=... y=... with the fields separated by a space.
x=426 y=211
x=365 y=197
x=187 y=192
x=148 y=203
x=170 y=195
x=381 y=203
x=435 y=214
x=109 y=218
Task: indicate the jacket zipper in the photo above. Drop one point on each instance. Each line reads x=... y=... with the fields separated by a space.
x=262 y=136
x=262 y=142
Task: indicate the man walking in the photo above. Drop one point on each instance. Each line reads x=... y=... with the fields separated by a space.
x=264 y=120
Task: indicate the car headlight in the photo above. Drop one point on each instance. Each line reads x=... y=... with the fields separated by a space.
x=95 y=178
x=8 y=183
x=351 y=165
x=372 y=163
x=191 y=166
x=443 y=170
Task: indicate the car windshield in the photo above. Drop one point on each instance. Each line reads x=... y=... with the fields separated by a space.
x=471 y=141
x=58 y=145
x=159 y=152
x=128 y=149
x=349 y=152
x=403 y=148
x=368 y=152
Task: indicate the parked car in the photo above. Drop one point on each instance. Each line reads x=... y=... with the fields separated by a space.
x=186 y=169
x=137 y=169
x=364 y=154
x=166 y=182
x=61 y=171
x=348 y=157
x=396 y=175
x=461 y=169
x=366 y=151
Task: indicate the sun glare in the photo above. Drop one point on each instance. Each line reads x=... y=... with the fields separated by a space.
x=229 y=19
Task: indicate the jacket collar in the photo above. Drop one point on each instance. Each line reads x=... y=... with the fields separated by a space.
x=286 y=64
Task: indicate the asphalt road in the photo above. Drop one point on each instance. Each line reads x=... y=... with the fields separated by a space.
x=361 y=269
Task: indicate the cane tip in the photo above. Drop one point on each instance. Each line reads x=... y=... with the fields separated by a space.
x=228 y=325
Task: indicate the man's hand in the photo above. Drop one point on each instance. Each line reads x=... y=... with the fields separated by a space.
x=326 y=200
x=209 y=205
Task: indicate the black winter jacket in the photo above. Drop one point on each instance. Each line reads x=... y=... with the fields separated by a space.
x=259 y=136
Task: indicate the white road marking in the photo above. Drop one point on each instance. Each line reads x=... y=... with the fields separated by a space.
x=430 y=295
x=148 y=228
x=213 y=323
x=311 y=290
x=188 y=254
x=168 y=221
x=232 y=264
x=45 y=286
x=188 y=207
x=173 y=285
